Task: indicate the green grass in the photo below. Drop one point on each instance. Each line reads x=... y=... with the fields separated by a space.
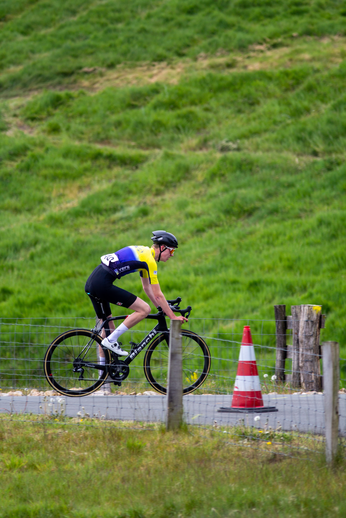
x=222 y=122
x=51 y=43
x=53 y=468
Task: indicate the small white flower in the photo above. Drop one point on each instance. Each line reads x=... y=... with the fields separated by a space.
x=257 y=418
x=273 y=378
x=52 y=400
x=265 y=375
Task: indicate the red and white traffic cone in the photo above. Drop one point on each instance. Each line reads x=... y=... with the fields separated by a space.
x=247 y=394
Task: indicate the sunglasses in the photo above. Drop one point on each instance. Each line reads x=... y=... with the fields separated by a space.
x=171 y=250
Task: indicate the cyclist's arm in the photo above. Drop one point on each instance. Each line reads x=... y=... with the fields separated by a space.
x=148 y=291
x=158 y=299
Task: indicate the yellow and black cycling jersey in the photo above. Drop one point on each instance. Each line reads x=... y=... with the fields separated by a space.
x=132 y=259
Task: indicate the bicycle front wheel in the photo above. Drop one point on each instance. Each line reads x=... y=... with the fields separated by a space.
x=196 y=362
x=70 y=363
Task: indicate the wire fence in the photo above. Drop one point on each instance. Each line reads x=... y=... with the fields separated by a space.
x=296 y=425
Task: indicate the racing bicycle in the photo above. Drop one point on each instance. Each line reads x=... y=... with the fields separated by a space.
x=72 y=363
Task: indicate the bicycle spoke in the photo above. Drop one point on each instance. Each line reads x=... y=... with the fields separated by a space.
x=65 y=363
x=195 y=359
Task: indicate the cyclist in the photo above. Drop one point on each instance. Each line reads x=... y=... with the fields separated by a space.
x=102 y=291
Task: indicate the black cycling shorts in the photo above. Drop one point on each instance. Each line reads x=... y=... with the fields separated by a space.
x=100 y=285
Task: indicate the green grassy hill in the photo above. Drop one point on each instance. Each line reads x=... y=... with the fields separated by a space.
x=222 y=122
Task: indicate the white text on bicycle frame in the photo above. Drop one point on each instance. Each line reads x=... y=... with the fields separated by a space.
x=143 y=344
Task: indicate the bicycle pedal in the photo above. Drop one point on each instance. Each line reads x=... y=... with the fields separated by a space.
x=117 y=383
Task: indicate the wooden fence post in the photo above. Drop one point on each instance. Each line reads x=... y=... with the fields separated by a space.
x=331 y=374
x=295 y=379
x=309 y=336
x=281 y=346
x=174 y=417
x=305 y=322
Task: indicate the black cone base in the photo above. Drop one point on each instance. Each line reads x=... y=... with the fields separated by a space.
x=258 y=410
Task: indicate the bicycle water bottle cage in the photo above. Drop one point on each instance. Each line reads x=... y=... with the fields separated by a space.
x=133 y=346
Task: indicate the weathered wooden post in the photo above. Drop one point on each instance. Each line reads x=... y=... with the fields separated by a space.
x=295 y=378
x=305 y=322
x=331 y=375
x=174 y=417
x=281 y=345
x=309 y=336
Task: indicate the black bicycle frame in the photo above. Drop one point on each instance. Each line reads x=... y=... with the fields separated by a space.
x=161 y=327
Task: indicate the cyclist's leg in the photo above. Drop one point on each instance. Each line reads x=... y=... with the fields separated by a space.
x=101 y=307
x=100 y=284
x=141 y=310
x=101 y=310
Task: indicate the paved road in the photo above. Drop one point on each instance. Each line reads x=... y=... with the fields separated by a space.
x=304 y=413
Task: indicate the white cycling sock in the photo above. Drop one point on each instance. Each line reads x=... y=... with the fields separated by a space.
x=113 y=337
x=102 y=361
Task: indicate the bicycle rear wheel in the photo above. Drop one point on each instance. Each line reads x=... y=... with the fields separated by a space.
x=66 y=363
x=196 y=362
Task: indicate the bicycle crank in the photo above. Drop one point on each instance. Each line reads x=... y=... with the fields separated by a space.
x=118 y=370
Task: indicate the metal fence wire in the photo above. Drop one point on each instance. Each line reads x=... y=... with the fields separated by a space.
x=297 y=424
